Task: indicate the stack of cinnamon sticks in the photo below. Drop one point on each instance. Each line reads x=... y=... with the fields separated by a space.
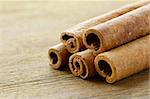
x=114 y=45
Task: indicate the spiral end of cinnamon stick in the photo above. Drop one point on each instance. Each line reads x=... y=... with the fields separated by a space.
x=71 y=42
x=82 y=65
x=105 y=68
x=58 y=56
x=77 y=66
x=92 y=40
x=55 y=58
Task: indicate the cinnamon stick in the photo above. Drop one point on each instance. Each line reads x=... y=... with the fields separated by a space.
x=118 y=31
x=58 y=56
x=72 y=38
x=125 y=60
x=82 y=64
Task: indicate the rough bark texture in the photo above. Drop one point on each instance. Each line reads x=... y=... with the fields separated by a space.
x=58 y=56
x=125 y=60
x=119 y=30
x=82 y=64
x=72 y=37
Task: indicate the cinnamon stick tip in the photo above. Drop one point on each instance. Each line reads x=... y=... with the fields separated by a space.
x=105 y=68
x=55 y=58
x=71 y=41
x=92 y=39
x=71 y=67
x=78 y=67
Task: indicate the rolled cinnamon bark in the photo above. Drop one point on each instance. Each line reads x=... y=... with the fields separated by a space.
x=82 y=64
x=118 y=31
x=125 y=60
x=72 y=38
x=58 y=56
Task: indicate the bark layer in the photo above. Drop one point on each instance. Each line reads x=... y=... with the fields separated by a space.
x=82 y=64
x=118 y=31
x=58 y=56
x=72 y=38
x=125 y=60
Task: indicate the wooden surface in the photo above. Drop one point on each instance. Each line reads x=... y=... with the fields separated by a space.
x=28 y=29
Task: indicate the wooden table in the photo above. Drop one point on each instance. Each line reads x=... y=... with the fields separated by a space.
x=28 y=29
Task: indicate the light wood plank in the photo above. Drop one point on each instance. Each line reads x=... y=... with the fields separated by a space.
x=28 y=29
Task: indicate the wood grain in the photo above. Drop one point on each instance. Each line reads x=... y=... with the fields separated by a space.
x=28 y=29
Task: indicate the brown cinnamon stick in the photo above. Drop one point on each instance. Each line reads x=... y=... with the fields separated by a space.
x=82 y=64
x=119 y=30
x=58 y=56
x=72 y=38
x=125 y=60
